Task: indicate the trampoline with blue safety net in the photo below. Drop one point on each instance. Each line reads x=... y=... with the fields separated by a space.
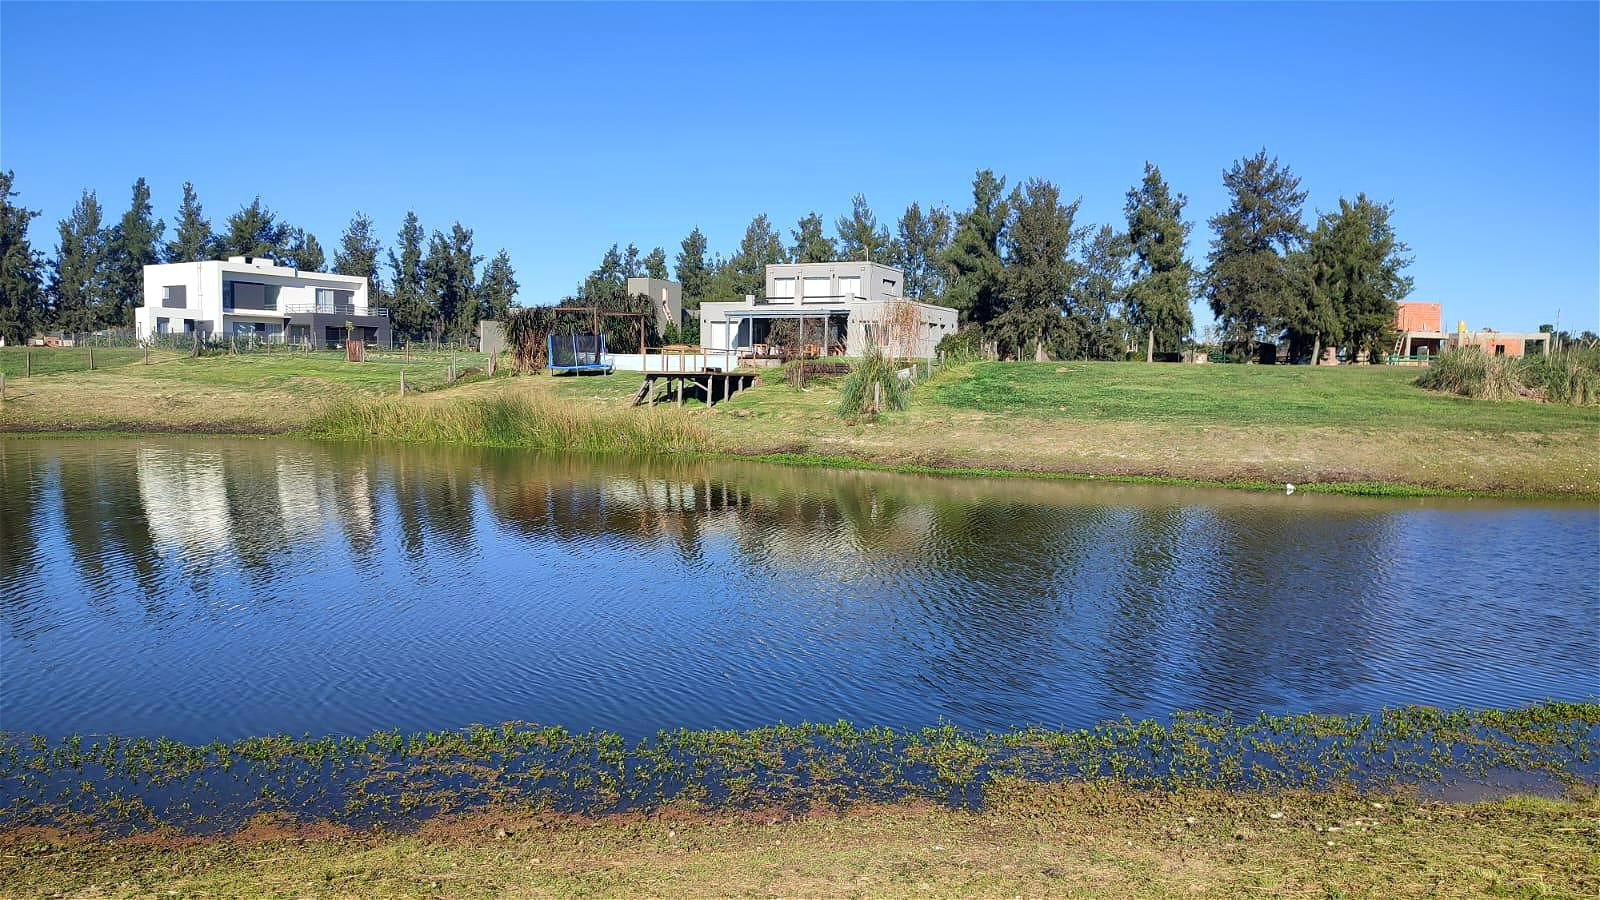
x=577 y=353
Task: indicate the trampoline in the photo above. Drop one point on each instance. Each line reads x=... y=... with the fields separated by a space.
x=577 y=354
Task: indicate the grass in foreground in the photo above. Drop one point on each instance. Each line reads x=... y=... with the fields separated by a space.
x=1034 y=840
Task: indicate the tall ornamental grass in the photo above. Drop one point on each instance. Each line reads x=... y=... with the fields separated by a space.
x=871 y=387
x=514 y=422
x=1569 y=376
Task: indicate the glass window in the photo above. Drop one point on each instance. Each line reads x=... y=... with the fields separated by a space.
x=850 y=285
x=163 y=325
x=818 y=287
x=324 y=300
x=783 y=287
x=227 y=295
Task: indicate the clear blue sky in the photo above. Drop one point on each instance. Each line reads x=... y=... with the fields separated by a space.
x=555 y=130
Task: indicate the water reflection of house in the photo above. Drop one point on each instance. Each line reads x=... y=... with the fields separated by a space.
x=185 y=499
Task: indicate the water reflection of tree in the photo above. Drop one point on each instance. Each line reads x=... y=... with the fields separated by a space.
x=105 y=524
x=24 y=475
x=1286 y=607
x=433 y=501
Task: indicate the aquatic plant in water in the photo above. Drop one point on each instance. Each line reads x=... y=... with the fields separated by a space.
x=391 y=779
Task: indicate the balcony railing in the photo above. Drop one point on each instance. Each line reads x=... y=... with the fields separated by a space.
x=335 y=309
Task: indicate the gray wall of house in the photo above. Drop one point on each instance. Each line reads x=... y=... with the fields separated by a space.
x=666 y=298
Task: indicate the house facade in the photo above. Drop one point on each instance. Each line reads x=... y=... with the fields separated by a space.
x=255 y=298
x=666 y=299
x=1420 y=335
x=827 y=309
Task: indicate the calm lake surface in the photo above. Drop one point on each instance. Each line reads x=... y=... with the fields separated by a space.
x=219 y=588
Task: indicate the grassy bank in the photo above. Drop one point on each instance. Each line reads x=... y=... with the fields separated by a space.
x=1366 y=429
x=516 y=421
x=1031 y=840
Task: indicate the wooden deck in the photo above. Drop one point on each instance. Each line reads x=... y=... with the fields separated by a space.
x=708 y=386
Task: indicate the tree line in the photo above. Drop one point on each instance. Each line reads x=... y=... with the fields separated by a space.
x=1031 y=281
x=433 y=285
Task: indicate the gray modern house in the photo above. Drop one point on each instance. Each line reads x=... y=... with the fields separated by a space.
x=828 y=309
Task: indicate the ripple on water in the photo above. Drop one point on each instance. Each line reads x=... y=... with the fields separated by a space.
x=199 y=588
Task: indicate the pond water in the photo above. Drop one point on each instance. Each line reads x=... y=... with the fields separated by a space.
x=220 y=588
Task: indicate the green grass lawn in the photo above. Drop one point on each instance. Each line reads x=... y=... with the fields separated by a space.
x=15 y=362
x=1267 y=396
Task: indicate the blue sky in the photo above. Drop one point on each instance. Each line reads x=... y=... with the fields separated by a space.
x=555 y=130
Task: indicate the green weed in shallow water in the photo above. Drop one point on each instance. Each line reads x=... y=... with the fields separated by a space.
x=390 y=779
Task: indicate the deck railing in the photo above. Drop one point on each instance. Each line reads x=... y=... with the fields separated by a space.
x=336 y=309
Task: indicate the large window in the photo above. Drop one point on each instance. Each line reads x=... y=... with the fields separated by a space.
x=163 y=325
x=783 y=288
x=249 y=295
x=325 y=300
x=818 y=287
x=850 y=285
x=174 y=295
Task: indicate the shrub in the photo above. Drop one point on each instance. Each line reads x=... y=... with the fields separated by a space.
x=961 y=346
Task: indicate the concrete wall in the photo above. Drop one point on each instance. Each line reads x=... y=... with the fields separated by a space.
x=870 y=323
x=878 y=281
x=491 y=336
x=666 y=298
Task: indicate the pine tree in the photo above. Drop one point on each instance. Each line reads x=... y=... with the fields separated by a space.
x=192 y=240
x=1039 y=269
x=305 y=252
x=1158 y=299
x=449 y=274
x=134 y=242
x=746 y=272
x=1353 y=278
x=1248 y=280
x=409 y=312
x=1097 y=296
x=21 y=300
x=499 y=288
x=632 y=265
x=692 y=270
x=256 y=231
x=77 y=277
x=606 y=286
x=918 y=251
x=860 y=235
x=358 y=255
x=975 y=270
x=655 y=264
x=810 y=244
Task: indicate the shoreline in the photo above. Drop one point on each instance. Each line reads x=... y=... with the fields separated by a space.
x=1353 y=488
x=1033 y=840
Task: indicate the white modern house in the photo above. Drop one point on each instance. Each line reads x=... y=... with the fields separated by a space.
x=254 y=297
x=838 y=308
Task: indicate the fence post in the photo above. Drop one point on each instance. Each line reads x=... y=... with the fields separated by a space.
x=91 y=357
x=27 y=361
x=2 y=387
x=147 y=354
x=402 y=382
x=452 y=365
